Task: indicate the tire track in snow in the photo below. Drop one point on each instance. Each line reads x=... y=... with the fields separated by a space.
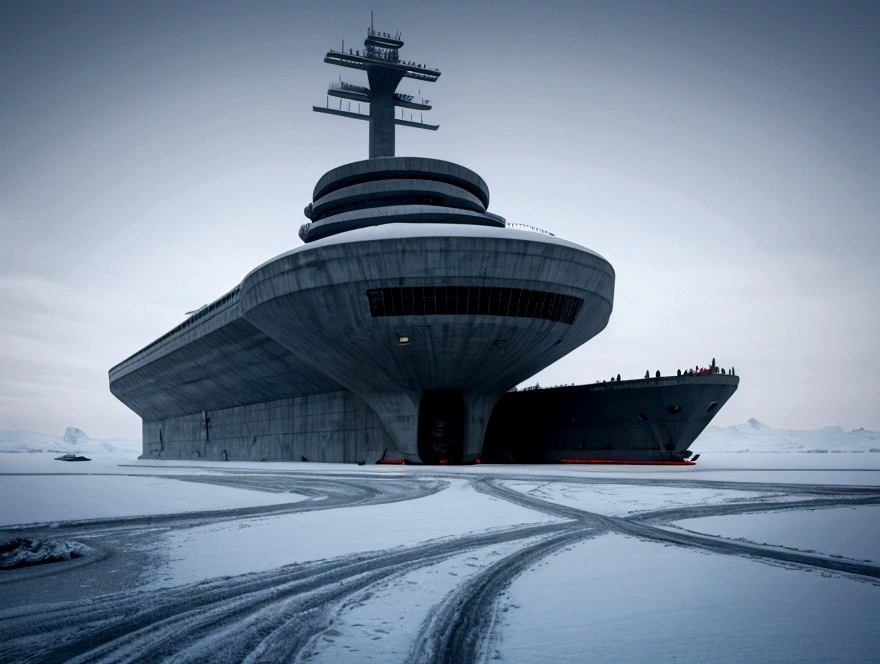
x=270 y=614
x=460 y=629
x=276 y=615
x=638 y=526
x=321 y=494
x=669 y=515
x=105 y=535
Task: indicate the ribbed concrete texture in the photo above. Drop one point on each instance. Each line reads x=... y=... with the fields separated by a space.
x=218 y=362
x=331 y=427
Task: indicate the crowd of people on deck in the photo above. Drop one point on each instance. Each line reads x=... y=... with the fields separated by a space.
x=696 y=371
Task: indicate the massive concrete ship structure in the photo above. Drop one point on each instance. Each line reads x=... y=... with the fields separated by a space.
x=396 y=328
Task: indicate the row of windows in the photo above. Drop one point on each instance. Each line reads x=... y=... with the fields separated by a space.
x=473 y=300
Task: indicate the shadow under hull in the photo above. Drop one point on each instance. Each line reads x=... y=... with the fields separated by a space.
x=650 y=420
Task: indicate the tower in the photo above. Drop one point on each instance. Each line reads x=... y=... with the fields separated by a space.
x=381 y=60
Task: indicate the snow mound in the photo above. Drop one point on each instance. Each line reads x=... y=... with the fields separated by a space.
x=73 y=436
x=755 y=436
x=74 y=441
x=24 y=552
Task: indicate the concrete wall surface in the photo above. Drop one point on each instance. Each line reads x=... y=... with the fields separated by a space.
x=332 y=427
x=219 y=362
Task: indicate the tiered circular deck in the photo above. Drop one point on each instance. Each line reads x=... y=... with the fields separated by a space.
x=396 y=190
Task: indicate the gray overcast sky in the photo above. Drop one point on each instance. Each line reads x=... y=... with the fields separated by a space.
x=723 y=156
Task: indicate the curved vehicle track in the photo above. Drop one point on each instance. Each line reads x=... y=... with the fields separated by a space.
x=639 y=526
x=279 y=615
x=249 y=614
x=322 y=493
x=105 y=536
x=460 y=630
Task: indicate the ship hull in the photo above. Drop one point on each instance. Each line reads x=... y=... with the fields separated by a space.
x=652 y=420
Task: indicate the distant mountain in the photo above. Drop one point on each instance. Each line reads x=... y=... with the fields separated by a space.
x=755 y=436
x=72 y=441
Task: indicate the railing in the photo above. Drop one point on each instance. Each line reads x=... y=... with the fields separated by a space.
x=342 y=85
x=204 y=311
x=526 y=227
x=711 y=370
x=377 y=33
x=389 y=55
x=409 y=98
x=536 y=386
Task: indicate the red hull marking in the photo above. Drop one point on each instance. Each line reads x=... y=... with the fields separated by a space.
x=631 y=463
x=393 y=462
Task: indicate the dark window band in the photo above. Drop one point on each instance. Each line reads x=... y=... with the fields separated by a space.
x=473 y=300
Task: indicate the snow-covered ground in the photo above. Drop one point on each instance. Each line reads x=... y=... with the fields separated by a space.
x=69 y=497
x=235 y=547
x=745 y=557
x=72 y=441
x=851 y=532
x=755 y=436
x=619 y=599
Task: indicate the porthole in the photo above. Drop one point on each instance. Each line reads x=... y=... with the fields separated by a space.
x=712 y=406
x=674 y=409
x=643 y=417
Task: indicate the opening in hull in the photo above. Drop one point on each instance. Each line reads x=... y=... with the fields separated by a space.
x=441 y=427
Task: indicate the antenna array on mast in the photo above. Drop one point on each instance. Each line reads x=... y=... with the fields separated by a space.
x=380 y=58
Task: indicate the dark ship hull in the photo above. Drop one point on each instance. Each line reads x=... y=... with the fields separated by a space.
x=653 y=420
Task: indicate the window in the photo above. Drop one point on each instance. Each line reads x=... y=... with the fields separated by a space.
x=473 y=300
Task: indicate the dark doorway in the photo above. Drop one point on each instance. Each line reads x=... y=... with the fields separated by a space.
x=441 y=427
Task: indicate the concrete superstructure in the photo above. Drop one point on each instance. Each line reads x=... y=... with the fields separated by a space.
x=393 y=331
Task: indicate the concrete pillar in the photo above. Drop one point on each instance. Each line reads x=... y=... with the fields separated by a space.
x=383 y=83
x=477 y=410
x=399 y=414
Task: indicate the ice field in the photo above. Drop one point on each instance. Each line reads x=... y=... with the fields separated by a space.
x=747 y=557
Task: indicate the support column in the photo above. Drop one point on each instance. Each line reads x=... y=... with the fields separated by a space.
x=477 y=410
x=383 y=83
x=399 y=414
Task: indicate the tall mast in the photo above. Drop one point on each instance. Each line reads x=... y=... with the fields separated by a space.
x=380 y=58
